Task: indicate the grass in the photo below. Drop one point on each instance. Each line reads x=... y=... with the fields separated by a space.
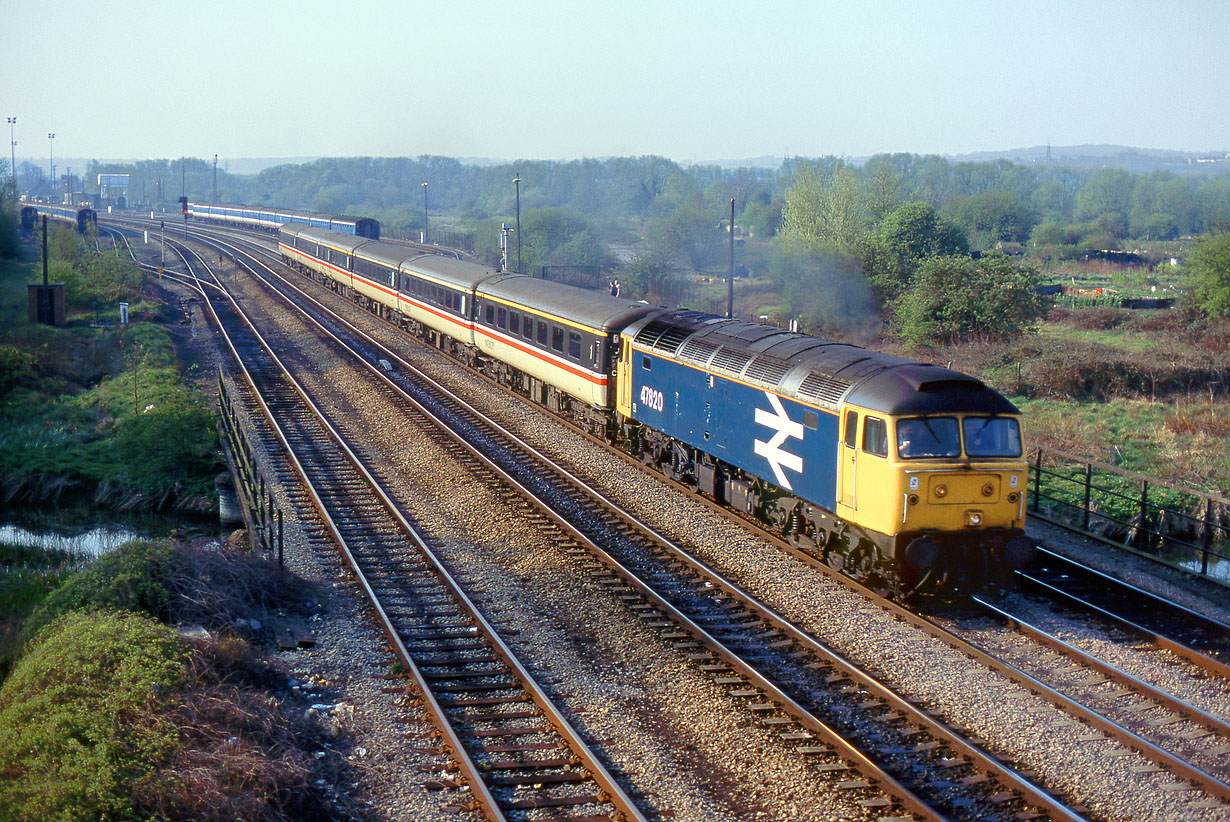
x=103 y=411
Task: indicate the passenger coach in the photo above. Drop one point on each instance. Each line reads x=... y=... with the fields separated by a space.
x=271 y=219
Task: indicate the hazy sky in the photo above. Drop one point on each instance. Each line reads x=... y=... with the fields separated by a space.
x=553 y=79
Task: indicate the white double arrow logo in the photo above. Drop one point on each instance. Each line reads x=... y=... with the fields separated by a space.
x=772 y=451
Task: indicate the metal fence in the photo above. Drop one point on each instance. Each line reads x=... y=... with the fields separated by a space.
x=1168 y=523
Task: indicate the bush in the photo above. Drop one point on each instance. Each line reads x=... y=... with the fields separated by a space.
x=79 y=734
x=959 y=298
x=1209 y=266
x=133 y=577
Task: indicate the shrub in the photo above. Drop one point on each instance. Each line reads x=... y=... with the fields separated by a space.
x=80 y=734
x=133 y=577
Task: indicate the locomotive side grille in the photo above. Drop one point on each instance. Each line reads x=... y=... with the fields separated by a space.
x=767 y=368
x=697 y=350
x=823 y=388
x=731 y=361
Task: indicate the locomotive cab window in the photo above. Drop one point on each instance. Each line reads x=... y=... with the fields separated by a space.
x=928 y=437
x=991 y=437
x=875 y=437
x=851 y=429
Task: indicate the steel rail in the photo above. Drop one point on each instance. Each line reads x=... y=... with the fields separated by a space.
x=472 y=773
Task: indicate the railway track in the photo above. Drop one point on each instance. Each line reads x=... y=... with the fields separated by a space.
x=1200 y=640
x=733 y=624
x=512 y=747
x=868 y=734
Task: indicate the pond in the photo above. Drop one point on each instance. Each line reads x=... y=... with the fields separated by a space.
x=91 y=532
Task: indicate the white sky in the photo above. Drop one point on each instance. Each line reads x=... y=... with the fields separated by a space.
x=552 y=79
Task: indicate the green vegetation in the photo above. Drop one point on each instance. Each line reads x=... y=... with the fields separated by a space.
x=83 y=726
x=110 y=714
x=1209 y=264
x=98 y=410
x=894 y=253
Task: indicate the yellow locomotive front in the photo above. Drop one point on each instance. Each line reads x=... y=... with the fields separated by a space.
x=944 y=491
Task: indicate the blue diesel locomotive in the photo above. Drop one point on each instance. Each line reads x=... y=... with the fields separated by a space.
x=907 y=476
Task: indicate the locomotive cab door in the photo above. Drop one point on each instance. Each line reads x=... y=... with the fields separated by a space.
x=847 y=461
x=623 y=381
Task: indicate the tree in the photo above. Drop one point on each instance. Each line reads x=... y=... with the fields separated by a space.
x=911 y=234
x=993 y=216
x=1209 y=268
x=689 y=232
x=958 y=298
x=823 y=210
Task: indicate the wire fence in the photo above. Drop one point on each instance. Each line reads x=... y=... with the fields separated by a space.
x=1177 y=526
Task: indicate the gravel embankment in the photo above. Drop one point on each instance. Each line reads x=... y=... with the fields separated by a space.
x=666 y=729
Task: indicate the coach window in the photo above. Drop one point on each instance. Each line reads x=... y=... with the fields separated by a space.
x=491 y=315
x=875 y=437
x=514 y=322
x=542 y=333
x=529 y=328
x=501 y=318
x=557 y=338
x=574 y=345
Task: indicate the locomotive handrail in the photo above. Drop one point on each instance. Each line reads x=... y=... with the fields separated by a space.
x=1066 y=494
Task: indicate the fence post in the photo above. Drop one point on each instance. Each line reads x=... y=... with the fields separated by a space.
x=1142 y=538
x=1088 y=486
x=1206 y=536
x=1038 y=479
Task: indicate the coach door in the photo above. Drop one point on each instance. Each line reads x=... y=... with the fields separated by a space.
x=847 y=462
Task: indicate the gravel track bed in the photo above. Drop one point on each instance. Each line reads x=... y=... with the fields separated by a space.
x=664 y=727
x=1111 y=781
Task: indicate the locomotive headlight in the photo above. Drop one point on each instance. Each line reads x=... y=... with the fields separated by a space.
x=988 y=490
x=973 y=519
x=941 y=491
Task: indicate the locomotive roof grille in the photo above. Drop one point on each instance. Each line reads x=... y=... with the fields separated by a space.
x=768 y=368
x=823 y=388
x=671 y=339
x=731 y=361
x=698 y=351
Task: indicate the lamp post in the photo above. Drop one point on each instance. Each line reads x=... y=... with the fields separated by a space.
x=51 y=141
x=424 y=212
x=215 y=178
x=517 y=183
x=13 y=156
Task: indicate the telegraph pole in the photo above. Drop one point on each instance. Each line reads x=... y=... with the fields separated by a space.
x=51 y=140
x=424 y=212
x=730 y=284
x=517 y=183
